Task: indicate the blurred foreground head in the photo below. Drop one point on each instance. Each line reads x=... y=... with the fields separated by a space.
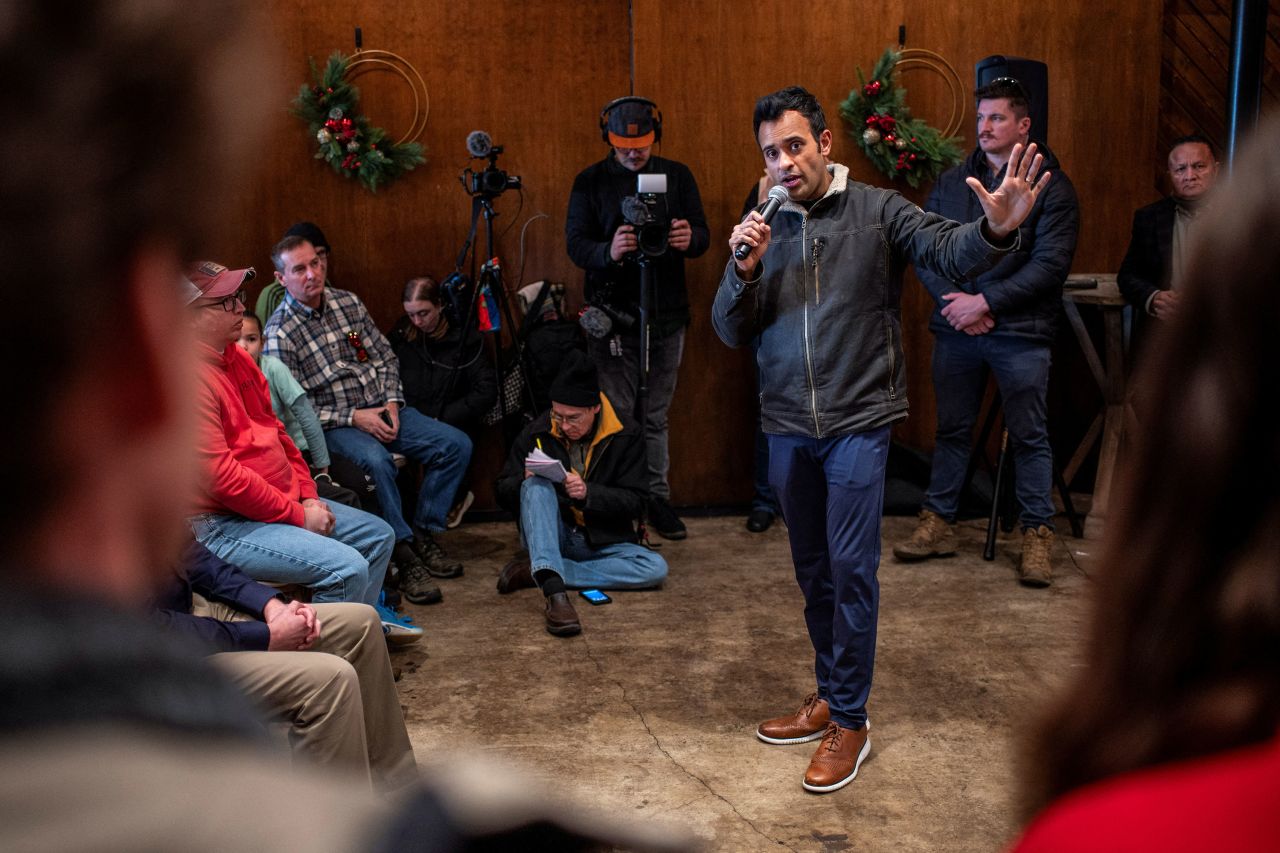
x=125 y=124
x=1181 y=659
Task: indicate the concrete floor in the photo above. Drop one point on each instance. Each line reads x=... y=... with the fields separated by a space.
x=651 y=711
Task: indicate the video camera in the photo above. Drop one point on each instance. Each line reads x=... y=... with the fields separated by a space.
x=491 y=181
x=646 y=211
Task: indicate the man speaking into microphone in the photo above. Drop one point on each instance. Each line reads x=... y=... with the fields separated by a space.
x=820 y=286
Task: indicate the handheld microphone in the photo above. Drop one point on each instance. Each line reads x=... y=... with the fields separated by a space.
x=479 y=144
x=777 y=196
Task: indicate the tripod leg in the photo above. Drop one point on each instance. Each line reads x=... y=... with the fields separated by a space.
x=989 y=549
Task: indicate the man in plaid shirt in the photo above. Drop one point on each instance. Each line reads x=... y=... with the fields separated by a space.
x=326 y=337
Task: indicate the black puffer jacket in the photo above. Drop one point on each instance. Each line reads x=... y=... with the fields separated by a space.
x=1024 y=289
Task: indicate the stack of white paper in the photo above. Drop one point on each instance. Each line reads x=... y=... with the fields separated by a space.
x=544 y=466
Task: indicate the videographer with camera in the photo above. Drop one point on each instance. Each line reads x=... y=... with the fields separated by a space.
x=614 y=225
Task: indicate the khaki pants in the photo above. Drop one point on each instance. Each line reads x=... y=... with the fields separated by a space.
x=339 y=697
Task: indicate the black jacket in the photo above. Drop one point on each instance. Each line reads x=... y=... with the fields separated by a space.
x=595 y=213
x=617 y=476
x=1024 y=289
x=1146 y=267
x=427 y=367
x=202 y=571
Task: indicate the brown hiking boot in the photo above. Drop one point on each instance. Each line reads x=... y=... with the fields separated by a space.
x=1035 y=568
x=804 y=725
x=933 y=537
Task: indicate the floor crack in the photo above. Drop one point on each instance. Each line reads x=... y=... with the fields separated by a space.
x=626 y=697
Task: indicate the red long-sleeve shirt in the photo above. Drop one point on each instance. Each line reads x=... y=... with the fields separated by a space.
x=252 y=468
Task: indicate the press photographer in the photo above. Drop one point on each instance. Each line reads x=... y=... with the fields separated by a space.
x=607 y=245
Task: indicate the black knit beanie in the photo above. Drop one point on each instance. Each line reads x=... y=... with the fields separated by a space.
x=577 y=383
x=310 y=232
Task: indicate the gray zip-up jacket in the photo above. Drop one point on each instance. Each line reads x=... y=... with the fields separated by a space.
x=825 y=305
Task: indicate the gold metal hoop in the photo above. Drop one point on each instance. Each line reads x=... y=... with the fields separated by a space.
x=918 y=57
x=385 y=60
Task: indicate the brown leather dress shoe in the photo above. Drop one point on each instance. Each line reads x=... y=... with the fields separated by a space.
x=562 y=619
x=838 y=758
x=804 y=725
x=515 y=575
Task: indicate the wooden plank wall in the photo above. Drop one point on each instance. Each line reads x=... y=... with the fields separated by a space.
x=535 y=75
x=1195 y=63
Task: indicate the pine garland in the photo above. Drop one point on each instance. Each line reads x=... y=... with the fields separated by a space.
x=348 y=143
x=897 y=144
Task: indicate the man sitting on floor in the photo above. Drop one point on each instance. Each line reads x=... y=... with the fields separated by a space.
x=323 y=669
x=580 y=532
x=259 y=507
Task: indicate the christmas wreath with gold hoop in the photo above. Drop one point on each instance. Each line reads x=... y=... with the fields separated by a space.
x=352 y=146
x=897 y=144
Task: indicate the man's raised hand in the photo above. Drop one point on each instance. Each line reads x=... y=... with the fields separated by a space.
x=1010 y=204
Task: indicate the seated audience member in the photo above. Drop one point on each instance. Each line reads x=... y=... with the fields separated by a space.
x=322 y=669
x=1167 y=737
x=273 y=294
x=1154 y=266
x=442 y=378
x=259 y=507
x=346 y=482
x=580 y=533
x=329 y=342
x=114 y=733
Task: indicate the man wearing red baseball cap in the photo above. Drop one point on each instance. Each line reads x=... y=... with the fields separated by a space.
x=258 y=509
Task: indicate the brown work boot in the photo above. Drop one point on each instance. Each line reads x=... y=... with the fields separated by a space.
x=804 y=725
x=1035 y=569
x=933 y=537
x=562 y=619
x=838 y=758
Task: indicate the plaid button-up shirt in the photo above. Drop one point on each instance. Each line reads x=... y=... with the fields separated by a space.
x=323 y=348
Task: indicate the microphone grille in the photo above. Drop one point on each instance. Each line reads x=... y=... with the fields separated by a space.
x=479 y=144
x=780 y=194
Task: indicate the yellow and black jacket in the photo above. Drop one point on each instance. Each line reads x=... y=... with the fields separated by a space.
x=616 y=475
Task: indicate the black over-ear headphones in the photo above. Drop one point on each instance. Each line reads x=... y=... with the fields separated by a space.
x=630 y=99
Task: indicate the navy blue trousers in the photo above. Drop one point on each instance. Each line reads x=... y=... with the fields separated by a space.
x=831 y=494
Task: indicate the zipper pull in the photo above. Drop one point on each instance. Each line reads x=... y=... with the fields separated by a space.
x=817 y=250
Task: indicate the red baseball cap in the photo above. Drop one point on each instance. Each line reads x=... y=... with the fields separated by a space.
x=213 y=280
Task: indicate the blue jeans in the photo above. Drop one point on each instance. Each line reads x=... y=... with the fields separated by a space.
x=831 y=493
x=347 y=566
x=564 y=549
x=444 y=452
x=620 y=381
x=1021 y=369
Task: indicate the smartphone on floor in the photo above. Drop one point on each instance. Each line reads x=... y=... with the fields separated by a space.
x=595 y=596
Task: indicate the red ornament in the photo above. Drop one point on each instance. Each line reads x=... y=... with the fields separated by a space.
x=872 y=89
x=887 y=123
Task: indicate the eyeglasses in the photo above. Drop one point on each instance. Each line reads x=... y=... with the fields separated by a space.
x=229 y=303
x=569 y=420
x=353 y=338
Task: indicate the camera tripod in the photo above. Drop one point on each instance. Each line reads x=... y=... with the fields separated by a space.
x=490 y=279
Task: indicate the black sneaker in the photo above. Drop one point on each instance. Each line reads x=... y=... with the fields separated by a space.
x=438 y=563
x=663 y=519
x=416 y=584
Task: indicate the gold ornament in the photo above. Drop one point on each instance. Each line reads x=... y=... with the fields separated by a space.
x=871 y=136
x=900 y=144
x=324 y=136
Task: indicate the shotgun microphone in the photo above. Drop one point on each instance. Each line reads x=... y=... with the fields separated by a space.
x=777 y=196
